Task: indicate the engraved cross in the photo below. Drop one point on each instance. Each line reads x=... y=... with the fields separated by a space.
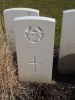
x=35 y=63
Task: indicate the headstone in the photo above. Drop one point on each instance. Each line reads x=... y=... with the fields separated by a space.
x=67 y=45
x=34 y=45
x=9 y=15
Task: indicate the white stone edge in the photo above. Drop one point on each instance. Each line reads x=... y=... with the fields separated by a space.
x=27 y=9
x=69 y=11
x=34 y=18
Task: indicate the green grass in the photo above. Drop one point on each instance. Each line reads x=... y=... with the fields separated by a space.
x=49 y=8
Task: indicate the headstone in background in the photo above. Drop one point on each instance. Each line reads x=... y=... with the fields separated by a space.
x=34 y=46
x=9 y=15
x=67 y=45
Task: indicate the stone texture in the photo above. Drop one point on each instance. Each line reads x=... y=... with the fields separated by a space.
x=9 y=15
x=35 y=45
x=67 y=45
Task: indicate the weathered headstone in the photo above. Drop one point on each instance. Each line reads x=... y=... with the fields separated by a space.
x=35 y=45
x=67 y=45
x=9 y=15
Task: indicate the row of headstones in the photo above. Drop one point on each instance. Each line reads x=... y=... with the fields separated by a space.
x=32 y=37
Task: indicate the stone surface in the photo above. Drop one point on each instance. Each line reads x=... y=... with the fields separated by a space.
x=9 y=15
x=35 y=45
x=67 y=45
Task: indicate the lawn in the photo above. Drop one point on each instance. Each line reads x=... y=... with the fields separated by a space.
x=8 y=81
x=49 y=8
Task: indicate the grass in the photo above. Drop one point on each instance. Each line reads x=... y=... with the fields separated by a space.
x=10 y=87
x=49 y=8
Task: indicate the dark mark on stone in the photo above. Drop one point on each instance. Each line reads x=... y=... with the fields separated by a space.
x=66 y=64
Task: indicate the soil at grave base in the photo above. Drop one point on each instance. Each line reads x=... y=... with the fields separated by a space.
x=50 y=92
x=54 y=91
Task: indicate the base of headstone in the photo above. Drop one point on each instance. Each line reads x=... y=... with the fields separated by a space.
x=53 y=91
x=57 y=76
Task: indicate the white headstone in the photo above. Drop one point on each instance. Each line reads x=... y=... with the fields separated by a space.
x=67 y=45
x=35 y=45
x=9 y=15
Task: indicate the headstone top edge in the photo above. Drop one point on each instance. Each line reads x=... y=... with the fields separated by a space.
x=35 y=18
x=27 y=9
x=69 y=11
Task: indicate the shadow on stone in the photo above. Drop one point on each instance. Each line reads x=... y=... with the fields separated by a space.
x=66 y=70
